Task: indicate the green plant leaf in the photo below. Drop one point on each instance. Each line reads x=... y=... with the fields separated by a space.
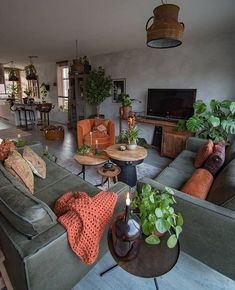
x=145 y=228
x=171 y=210
x=170 y=220
x=228 y=126
x=169 y=190
x=215 y=105
x=158 y=212
x=172 y=241
x=152 y=218
x=232 y=107
x=146 y=188
x=160 y=226
x=214 y=121
x=178 y=230
x=226 y=104
x=199 y=107
x=195 y=124
x=180 y=219
x=152 y=240
x=151 y=198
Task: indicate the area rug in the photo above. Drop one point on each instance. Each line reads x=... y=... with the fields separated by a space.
x=12 y=133
x=93 y=177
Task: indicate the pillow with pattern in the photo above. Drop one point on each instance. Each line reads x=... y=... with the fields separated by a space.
x=36 y=163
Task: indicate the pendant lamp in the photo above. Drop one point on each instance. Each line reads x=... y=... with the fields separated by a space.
x=165 y=31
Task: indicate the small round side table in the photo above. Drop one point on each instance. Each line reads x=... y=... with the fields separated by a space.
x=109 y=173
x=152 y=260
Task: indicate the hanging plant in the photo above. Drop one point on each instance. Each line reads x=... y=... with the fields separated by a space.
x=31 y=73
x=12 y=75
x=98 y=87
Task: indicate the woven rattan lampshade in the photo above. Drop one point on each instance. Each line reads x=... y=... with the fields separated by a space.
x=165 y=31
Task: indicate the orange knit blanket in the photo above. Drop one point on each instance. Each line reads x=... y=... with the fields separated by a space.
x=85 y=219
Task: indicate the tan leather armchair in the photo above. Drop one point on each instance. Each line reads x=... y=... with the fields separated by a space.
x=85 y=134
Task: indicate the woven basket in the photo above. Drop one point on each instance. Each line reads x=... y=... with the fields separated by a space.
x=54 y=132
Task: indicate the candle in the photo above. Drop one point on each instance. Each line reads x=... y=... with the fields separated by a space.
x=91 y=138
x=128 y=202
x=46 y=149
x=96 y=144
x=18 y=136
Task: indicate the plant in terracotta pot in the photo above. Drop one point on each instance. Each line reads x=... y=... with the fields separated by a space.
x=216 y=122
x=98 y=87
x=131 y=136
x=126 y=106
x=157 y=216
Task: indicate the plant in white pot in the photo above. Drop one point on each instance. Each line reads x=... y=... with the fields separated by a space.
x=131 y=136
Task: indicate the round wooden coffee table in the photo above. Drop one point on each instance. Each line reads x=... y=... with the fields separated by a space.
x=127 y=161
x=109 y=173
x=89 y=160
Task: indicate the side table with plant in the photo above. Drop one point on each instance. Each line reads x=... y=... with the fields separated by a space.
x=157 y=215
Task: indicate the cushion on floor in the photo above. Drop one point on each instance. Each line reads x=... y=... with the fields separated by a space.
x=172 y=177
x=184 y=162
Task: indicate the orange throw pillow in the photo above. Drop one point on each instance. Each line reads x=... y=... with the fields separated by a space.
x=199 y=183
x=203 y=153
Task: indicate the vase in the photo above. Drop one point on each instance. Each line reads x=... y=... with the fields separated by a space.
x=131 y=146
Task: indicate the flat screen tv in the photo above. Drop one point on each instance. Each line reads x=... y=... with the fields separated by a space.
x=171 y=103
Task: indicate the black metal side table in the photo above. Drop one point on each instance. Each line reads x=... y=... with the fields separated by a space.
x=152 y=261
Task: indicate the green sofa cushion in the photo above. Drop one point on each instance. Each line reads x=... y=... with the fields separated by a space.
x=172 y=177
x=230 y=203
x=25 y=212
x=223 y=187
x=184 y=162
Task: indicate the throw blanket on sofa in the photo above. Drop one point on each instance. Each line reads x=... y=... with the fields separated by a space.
x=85 y=219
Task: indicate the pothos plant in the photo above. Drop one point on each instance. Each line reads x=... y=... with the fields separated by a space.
x=84 y=149
x=154 y=208
x=217 y=122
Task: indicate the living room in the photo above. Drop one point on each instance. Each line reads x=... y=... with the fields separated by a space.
x=47 y=111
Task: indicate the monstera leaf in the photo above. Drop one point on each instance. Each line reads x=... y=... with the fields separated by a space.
x=228 y=126
x=199 y=107
x=214 y=121
x=232 y=107
x=195 y=124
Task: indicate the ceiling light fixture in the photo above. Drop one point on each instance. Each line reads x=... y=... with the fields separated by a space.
x=166 y=31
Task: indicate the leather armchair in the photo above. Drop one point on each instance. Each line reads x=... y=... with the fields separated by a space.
x=84 y=127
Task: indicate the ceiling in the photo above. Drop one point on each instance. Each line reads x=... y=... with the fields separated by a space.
x=49 y=28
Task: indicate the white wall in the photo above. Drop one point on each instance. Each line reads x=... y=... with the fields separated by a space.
x=207 y=65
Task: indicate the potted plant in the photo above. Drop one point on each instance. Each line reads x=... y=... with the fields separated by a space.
x=84 y=149
x=28 y=93
x=45 y=88
x=157 y=216
x=14 y=90
x=131 y=135
x=217 y=122
x=31 y=73
x=126 y=106
x=12 y=74
x=98 y=87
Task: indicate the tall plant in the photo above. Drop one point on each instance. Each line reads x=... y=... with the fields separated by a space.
x=98 y=87
x=217 y=122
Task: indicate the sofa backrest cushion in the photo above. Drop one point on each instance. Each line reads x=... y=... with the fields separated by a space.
x=223 y=187
x=230 y=153
x=26 y=213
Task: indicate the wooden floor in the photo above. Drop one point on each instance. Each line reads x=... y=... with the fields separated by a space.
x=188 y=274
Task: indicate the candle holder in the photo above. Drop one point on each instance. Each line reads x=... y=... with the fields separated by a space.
x=126 y=236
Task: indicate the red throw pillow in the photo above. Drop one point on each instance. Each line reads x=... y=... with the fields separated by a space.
x=5 y=148
x=203 y=153
x=216 y=159
x=199 y=183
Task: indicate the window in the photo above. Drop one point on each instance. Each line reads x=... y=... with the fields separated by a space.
x=63 y=84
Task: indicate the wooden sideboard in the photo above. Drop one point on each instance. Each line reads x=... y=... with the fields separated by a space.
x=173 y=141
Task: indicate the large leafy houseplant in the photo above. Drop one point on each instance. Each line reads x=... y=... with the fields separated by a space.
x=131 y=135
x=157 y=215
x=98 y=87
x=217 y=122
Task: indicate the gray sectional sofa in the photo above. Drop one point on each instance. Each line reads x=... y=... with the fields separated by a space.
x=209 y=225
x=38 y=256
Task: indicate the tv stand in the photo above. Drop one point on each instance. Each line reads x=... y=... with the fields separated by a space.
x=172 y=142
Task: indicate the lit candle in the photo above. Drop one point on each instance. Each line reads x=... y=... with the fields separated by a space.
x=18 y=136
x=128 y=203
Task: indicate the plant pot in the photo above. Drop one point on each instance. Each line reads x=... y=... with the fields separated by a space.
x=131 y=146
x=77 y=66
x=25 y=100
x=125 y=111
